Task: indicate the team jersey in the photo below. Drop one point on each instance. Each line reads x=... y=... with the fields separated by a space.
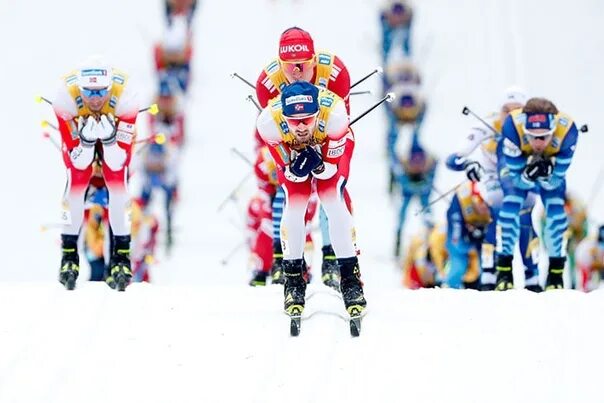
x=517 y=149
x=330 y=134
x=330 y=73
x=122 y=104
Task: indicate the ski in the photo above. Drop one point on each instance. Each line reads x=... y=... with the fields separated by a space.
x=295 y=315
x=355 y=313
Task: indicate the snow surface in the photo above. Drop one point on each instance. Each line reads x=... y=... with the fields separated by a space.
x=199 y=334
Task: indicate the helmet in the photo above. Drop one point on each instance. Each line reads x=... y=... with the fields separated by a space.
x=300 y=97
x=296 y=44
x=514 y=95
x=94 y=72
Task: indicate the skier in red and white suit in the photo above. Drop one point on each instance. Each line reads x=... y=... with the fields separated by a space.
x=96 y=109
x=259 y=220
x=308 y=136
x=298 y=61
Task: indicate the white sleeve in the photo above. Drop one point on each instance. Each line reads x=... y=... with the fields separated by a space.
x=128 y=104
x=337 y=124
x=268 y=128
x=476 y=136
x=63 y=104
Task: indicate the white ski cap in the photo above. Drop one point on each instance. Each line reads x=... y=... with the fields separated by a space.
x=514 y=95
x=94 y=72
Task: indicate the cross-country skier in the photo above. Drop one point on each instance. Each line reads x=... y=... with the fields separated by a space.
x=96 y=109
x=306 y=129
x=484 y=168
x=538 y=145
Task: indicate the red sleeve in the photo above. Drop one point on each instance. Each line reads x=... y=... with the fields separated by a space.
x=333 y=150
x=341 y=84
x=158 y=56
x=65 y=130
x=262 y=177
x=131 y=120
x=265 y=90
x=281 y=164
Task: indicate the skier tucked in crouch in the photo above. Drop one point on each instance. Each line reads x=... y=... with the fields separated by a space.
x=306 y=129
x=96 y=111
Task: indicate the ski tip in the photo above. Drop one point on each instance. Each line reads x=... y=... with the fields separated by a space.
x=355 y=327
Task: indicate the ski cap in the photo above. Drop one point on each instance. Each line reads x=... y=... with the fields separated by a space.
x=300 y=98
x=514 y=95
x=94 y=72
x=296 y=44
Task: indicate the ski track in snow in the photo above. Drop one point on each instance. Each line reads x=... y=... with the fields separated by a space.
x=199 y=333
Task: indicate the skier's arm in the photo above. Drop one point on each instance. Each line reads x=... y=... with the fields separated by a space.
x=515 y=160
x=340 y=81
x=458 y=160
x=565 y=155
x=265 y=90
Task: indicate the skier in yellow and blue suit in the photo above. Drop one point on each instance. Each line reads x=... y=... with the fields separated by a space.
x=537 y=149
x=468 y=218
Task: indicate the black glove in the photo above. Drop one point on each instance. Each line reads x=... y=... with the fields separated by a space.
x=307 y=161
x=473 y=171
x=540 y=168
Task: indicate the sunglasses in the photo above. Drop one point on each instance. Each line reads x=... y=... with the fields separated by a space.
x=299 y=66
x=98 y=92
x=538 y=136
x=307 y=120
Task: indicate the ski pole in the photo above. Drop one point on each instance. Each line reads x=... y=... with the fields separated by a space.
x=442 y=196
x=225 y=260
x=159 y=138
x=467 y=111
x=243 y=79
x=231 y=196
x=438 y=192
x=252 y=100
x=378 y=70
x=54 y=142
x=389 y=97
x=359 y=93
x=242 y=156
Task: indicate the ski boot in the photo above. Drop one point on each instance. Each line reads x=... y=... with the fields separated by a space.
x=259 y=279
x=119 y=265
x=532 y=284
x=351 y=285
x=70 y=261
x=294 y=289
x=330 y=272
x=505 y=278
x=488 y=279
x=554 y=276
x=277 y=270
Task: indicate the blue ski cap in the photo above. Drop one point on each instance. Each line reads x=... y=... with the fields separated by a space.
x=300 y=98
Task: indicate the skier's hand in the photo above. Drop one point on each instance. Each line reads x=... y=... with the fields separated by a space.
x=307 y=161
x=539 y=168
x=474 y=171
x=87 y=131
x=106 y=129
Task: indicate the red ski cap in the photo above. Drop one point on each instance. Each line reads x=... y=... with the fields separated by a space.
x=296 y=44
